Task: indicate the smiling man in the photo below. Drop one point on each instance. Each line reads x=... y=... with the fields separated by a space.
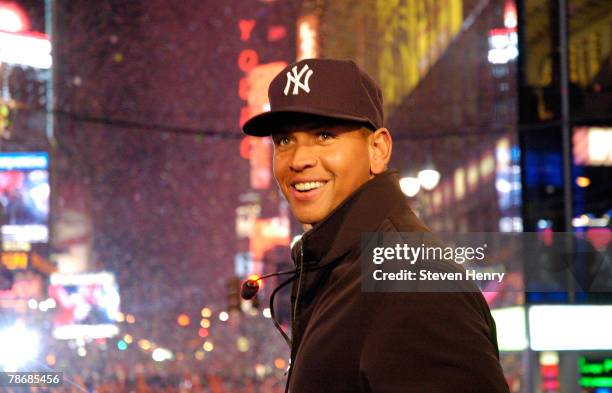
x=316 y=166
x=331 y=153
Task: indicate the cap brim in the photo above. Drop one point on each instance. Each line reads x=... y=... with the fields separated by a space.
x=267 y=123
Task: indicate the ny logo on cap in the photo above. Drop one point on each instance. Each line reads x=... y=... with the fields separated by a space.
x=296 y=79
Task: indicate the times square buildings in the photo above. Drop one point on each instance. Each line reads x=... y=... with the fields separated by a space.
x=473 y=89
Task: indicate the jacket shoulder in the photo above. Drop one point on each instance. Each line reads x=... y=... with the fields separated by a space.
x=403 y=219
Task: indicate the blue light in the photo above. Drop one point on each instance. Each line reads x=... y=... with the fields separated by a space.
x=23 y=161
x=122 y=345
x=546 y=297
x=515 y=153
x=543 y=168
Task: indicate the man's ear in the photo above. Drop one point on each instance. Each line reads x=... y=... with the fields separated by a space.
x=380 y=146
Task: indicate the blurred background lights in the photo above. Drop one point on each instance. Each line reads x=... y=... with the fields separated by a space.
x=280 y=363
x=206 y=312
x=128 y=338
x=543 y=224
x=183 y=320
x=260 y=370
x=580 y=221
x=583 y=181
x=122 y=345
x=42 y=306
x=510 y=15
x=199 y=355
x=208 y=346
x=18 y=346
x=161 y=354
x=50 y=359
x=145 y=345
x=9 y=21
x=428 y=178
x=266 y=313
x=205 y=323
x=202 y=332
x=82 y=351
x=503 y=186
x=120 y=317
x=130 y=318
x=410 y=186
x=549 y=358
x=242 y=343
x=12 y=18
x=33 y=304
x=223 y=316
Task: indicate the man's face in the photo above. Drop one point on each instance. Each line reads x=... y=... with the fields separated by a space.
x=317 y=168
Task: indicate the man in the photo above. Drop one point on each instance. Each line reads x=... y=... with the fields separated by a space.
x=330 y=161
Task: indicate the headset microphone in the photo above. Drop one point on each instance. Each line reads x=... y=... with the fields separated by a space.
x=249 y=289
x=251 y=286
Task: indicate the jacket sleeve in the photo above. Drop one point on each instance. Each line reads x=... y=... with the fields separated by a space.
x=431 y=342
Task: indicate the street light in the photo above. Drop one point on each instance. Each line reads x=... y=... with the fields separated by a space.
x=428 y=178
x=410 y=186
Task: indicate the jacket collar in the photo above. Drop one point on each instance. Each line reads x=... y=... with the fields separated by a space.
x=362 y=211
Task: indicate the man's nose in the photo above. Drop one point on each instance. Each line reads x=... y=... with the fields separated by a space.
x=303 y=157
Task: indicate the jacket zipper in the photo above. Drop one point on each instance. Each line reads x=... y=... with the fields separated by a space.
x=293 y=314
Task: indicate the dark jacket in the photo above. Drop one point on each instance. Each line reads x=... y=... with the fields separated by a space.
x=346 y=340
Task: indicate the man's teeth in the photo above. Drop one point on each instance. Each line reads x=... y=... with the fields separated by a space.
x=311 y=185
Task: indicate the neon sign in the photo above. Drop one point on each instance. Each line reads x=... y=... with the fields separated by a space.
x=595 y=373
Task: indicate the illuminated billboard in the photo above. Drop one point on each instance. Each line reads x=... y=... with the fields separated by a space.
x=24 y=286
x=570 y=327
x=511 y=328
x=87 y=305
x=592 y=146
x=24 y=197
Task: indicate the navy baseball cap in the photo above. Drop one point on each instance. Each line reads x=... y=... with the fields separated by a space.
x=320 y=88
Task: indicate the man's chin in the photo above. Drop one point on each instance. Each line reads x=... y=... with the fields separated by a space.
x=306 y=219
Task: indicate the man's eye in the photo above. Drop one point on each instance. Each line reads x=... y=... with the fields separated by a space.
x=282 y=141
x=325 y=135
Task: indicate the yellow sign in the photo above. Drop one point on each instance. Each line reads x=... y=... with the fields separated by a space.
x=15 y=260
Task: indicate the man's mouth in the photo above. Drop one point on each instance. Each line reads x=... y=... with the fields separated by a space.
x=308 y=186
